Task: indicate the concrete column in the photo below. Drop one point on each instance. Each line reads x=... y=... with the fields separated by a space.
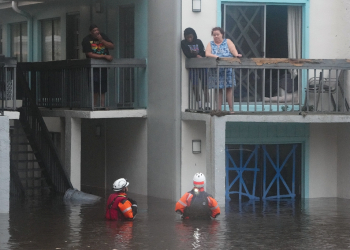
x=73 y=150
x=216 y=170
x=4 y=164
x=164 y=99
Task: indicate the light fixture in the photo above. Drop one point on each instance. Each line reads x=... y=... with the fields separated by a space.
x=196 y=5
x=196 y=146
x=98 y=7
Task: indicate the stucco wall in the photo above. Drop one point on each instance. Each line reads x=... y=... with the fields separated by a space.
x=323 y=160
x=127 y=153
x=120 y=151
x=164 y=99
x=4 y=164
x=329 y=24
x=343 y=169
x=192 y=163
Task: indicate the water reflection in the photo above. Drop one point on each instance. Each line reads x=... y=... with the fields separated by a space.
x=54 y=224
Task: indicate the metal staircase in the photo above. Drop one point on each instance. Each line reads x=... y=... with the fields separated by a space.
x=36 y=168
x=26 y=170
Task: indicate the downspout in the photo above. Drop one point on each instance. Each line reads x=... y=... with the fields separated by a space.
x=30 y=28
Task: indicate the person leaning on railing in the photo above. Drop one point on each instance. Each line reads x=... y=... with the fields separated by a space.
x=222 y=47
x=192 y=47
x=97 y=45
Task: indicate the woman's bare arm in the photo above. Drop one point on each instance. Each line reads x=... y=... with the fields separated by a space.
x=208 y=51
x=232 y=48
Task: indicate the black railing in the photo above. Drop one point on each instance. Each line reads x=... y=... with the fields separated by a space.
x=40 y=140
x=88 y=84
x=268 y=85
x=7 y=83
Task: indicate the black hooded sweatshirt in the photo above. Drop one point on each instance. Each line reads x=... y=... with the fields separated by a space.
x=186 y=46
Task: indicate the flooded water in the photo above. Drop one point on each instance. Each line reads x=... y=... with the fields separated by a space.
x=54 y=224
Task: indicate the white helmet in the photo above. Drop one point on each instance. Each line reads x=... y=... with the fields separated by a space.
x=198 y=180
x=119 y=184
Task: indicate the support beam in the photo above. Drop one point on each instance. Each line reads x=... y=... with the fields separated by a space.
x=4 y=164
x=73 y=150
x=216 y=170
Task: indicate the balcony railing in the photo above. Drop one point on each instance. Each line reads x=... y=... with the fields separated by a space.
x=7 y=83
x=88 y=84
x=268 y=85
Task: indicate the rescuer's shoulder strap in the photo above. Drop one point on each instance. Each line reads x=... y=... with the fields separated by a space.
x=111 y=204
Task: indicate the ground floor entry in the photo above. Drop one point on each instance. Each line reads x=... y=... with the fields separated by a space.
x=263 y=171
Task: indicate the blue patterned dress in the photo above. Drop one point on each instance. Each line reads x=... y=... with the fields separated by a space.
x=221 y=51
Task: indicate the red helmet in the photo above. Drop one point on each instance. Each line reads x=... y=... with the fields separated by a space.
x=198 y=180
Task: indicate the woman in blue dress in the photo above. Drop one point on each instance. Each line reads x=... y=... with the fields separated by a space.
x=222 y=47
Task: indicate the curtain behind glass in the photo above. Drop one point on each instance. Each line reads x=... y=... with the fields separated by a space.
x=51 y=40
x=294 y=32
x=19 y=41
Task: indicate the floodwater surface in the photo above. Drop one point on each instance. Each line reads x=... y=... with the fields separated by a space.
x=55 y=224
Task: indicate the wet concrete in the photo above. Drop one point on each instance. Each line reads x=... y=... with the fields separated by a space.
x=53 y=224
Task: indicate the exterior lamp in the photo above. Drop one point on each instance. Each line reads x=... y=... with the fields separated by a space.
x=196 y=146
x=196 y=5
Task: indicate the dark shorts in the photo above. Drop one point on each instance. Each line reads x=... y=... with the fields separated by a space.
x=97 y=86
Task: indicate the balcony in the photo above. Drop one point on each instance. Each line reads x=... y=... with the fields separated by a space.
x=7 y=84
x=81 y=84
x=268 y=85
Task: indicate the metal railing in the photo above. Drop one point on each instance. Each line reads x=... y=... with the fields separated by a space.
x=7 y=84
x=88 y=84
x=39 y=138
x=268 y=85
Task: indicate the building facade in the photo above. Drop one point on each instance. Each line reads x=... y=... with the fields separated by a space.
x=151 y=142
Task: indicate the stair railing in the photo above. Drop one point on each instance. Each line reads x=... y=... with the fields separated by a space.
x=40 y=140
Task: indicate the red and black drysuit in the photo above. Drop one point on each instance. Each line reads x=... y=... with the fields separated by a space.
x=119 y=207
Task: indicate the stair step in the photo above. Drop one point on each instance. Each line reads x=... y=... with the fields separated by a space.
x=23 y=152
x=20 y=143
x=27 y=160
x=33 y=178
x=39 y=187
x=32 y=170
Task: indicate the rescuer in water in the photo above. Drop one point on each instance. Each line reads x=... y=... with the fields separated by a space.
x=119 y=207
x=197 y=204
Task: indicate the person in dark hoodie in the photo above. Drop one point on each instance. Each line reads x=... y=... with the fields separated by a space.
x=193 y=47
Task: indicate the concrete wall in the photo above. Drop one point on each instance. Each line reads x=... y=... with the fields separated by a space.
x=328 y=36
x=323 y=160
x=164 y=98
x=343 y=170
x=4 y=164
x=127 y=153
x=119 y=151
x=192 y=163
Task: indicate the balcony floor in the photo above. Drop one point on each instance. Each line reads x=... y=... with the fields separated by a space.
x=278 y=117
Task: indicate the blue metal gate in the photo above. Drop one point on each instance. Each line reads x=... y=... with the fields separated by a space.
x=263 y=172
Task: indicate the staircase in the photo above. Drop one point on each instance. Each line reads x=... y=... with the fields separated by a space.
x=27 y=171
x=36 y=168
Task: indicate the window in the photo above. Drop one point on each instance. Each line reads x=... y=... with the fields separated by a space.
x=72 y=36
x=51 y=39
x=19 y=41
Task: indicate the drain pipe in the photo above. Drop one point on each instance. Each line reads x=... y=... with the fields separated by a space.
x=30 y=28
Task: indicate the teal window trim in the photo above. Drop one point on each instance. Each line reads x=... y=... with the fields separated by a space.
x=305 y=9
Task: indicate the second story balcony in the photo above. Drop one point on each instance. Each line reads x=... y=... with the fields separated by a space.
x=88 y=84
x=268 y=85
